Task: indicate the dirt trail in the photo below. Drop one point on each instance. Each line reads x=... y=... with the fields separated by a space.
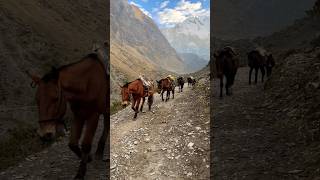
x=56 y=162
x=172 y=142
x=245 y=144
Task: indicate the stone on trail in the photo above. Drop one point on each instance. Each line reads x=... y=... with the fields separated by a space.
x=190 y=145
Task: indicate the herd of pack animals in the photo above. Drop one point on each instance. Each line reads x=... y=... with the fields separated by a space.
x=141 y=88
x=88 y=96
x=227 y=63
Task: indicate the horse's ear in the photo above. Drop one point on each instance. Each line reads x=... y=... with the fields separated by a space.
x=35 y=79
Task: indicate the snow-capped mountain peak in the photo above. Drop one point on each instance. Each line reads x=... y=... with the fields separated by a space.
x=191 y=36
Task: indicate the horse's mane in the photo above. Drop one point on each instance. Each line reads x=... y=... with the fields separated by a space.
x=54 y=73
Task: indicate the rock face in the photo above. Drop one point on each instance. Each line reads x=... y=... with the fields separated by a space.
x=37 y=34
x=138 y=46
x=251 y=18
x=191 y=36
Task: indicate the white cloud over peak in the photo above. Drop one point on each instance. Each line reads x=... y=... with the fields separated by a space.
x=164 y=4
x=183 y=10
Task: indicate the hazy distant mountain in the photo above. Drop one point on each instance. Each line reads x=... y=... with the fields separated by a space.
x=234 y=19
x=193 y=62
x=191 y=36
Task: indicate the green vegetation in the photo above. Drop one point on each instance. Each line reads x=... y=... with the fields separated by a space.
x=116 y=106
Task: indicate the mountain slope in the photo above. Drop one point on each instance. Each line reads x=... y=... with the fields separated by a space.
x=191 y=36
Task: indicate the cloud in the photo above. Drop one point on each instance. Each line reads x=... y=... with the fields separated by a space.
x=164 y=4
x=183 y=10
x=142 y=9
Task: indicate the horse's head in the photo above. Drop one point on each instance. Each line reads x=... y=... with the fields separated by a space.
x=125 y=96
x=51 y=105
x=159 y=86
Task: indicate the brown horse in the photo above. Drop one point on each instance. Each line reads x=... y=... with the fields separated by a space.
x=256 y=61
x=180 y=81
x=166 y=85
x=227 y=64
x=137 y=91
x=270 y=64
x=190 y=80
x=84 y=86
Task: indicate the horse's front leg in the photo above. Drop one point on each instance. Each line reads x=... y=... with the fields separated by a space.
x=263 y=72
x=150 y=102
x=133 y=104
x=228 y=80
x=173 y=93
x=143 y=100
x=250 y=72
x=168 y=95
x=221 y=86
x=137 y=107
x=256 y=75
x=91 y=126
x=162 y=95
x=105 y=135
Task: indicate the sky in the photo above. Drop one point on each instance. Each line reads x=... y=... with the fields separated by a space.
x=167 y=13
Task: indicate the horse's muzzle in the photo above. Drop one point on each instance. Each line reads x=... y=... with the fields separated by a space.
x=125 y=104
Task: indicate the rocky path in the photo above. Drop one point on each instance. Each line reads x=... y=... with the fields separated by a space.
x=56 y=163
x=245 y=144
x=172 y=142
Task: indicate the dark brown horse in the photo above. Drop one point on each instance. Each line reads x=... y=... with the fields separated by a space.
x=189 y=80
x=256 y=61
x=227 y=64
x=270 y=64
x=84 y=85
x=137 y=91
x=180 y=83
x=166 y=85
x=194 y=82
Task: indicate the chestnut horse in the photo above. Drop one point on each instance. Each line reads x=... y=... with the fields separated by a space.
x=136 y=90
x=180 y=83
x=227 y=64
x=84 y=86
x=166 y=85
